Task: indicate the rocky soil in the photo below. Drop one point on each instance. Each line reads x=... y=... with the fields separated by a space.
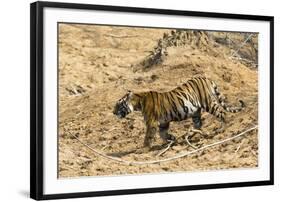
x=98 y=64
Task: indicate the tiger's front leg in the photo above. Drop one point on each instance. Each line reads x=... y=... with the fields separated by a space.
x=167 y=138
x=163 y=130
x=151 y=129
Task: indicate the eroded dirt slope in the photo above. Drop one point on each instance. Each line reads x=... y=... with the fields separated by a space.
x=98 y=64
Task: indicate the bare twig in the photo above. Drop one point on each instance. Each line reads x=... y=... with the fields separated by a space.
x=187 y=141
x=166 y=149
x=239 y=147
x=253 y=153
x=241 y=45
x=245 y=60
x=124 y=36
x=195 y=131
x=184 y=154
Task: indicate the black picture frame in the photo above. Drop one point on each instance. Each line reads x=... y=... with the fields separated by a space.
x=36 y=98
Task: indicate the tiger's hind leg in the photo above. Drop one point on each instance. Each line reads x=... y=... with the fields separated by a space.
x=218 y=111
x=196 y=129
x=196 y=118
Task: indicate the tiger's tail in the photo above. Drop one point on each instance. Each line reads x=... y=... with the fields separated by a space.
x=221 y=100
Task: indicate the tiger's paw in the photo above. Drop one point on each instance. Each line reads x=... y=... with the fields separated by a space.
x=170 y=138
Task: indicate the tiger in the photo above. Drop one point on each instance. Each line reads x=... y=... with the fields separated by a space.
x=188 y=100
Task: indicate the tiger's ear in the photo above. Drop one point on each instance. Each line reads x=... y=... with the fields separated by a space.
x=130 y=93
x=125 y=89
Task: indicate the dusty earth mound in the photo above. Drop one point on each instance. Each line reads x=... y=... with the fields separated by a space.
x=98 y=64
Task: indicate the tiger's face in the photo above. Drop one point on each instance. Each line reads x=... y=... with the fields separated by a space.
x=124 y=106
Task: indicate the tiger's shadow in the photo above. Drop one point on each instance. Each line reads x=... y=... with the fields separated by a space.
x=143 y=150
x=122 y=153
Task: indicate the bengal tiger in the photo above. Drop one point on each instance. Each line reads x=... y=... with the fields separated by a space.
x=185 y=101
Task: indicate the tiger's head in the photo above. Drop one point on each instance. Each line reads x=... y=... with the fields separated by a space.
x=128 y=103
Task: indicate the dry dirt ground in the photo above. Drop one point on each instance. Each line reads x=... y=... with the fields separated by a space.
x=98 y=64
